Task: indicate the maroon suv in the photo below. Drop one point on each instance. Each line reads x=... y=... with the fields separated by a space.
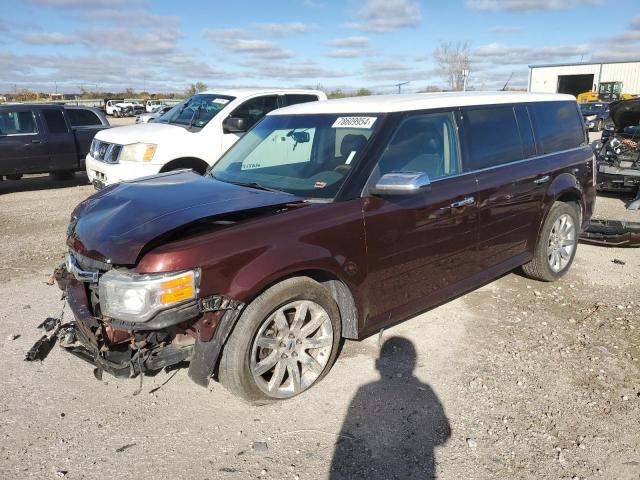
x=327 y=220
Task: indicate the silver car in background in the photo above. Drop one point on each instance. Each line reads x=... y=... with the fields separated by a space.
x=148 y=117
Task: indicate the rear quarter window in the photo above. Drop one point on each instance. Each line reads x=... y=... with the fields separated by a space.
x=558 y=126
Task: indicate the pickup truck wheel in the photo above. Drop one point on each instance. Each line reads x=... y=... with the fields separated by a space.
x=557 y=244
x=62 y=175
x=285 y=342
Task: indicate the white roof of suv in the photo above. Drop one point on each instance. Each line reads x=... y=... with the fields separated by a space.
x=417 y=101
x=247 y=92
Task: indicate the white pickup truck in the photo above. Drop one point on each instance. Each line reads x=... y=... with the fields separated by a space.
x=193 y=134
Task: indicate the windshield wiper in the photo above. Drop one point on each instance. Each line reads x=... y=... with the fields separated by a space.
x=256 y=185
x=196 y=114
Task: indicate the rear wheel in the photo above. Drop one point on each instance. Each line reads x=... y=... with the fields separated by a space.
x=557 y=244
x=285 y=342
x=598 y=125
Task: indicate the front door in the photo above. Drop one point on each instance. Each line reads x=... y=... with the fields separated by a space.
x=22 y=145
x=252 y=111
x=420 y=247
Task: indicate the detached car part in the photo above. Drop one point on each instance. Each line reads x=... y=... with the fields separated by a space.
x=612 y=233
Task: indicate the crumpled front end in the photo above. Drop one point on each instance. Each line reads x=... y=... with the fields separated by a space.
x=129 y=348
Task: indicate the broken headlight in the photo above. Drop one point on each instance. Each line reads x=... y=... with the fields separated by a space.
x=133 y=297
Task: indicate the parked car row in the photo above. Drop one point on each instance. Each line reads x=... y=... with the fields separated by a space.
x=325 y=220
x=156 y=113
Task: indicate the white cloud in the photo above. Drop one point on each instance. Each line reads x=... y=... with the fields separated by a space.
x=500 y=54
x=380 y=16
x=131 y=42
x=504 y=29
x=529 y=5
x=237 y=41
x=49 y=38
x=351 y=42
x=284 y=29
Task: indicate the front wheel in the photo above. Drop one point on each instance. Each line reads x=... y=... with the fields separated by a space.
x=284 y=343
x=557 y=244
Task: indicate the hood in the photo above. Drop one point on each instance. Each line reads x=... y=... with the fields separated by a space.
x=146 y=132
x=115 y=224
x=625 y=113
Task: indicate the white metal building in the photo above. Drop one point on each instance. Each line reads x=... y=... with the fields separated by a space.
x=575 y=78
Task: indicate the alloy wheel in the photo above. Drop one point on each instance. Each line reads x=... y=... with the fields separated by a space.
x=562 y=242
x=291 y=348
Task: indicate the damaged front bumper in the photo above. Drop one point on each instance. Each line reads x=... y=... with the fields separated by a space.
x=194 y=332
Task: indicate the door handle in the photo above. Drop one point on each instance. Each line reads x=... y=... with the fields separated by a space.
x=36 y=141
x=543 y=179
x=463 y=203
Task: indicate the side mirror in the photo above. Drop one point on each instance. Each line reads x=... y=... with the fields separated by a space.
x=234 y=125
x=299 y=137
x=401 y=183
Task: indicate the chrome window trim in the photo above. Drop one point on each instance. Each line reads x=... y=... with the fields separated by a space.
x=365 y=191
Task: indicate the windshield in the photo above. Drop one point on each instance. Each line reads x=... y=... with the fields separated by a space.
x=593 y=107
x=195 y=111
x=306 y=155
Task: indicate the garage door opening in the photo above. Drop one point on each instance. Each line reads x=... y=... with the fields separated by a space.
x=575 y=84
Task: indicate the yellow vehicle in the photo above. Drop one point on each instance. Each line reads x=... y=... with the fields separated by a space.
x=607 y=92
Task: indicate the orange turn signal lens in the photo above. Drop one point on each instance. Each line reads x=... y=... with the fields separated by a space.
x=177 y=289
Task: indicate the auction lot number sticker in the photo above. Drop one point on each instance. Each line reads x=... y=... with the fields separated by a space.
x=354 y=122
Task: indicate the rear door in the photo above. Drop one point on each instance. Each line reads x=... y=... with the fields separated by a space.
x=22 y=143
x=420 y=247
x=60 y=140
x=84 y=124
x=500 y=151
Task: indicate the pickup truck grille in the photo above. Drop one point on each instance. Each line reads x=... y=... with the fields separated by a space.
x=105 y=152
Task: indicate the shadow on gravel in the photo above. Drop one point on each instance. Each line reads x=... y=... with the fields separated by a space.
x=41 y=182
x=393 y=425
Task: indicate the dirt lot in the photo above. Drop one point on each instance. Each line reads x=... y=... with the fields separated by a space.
x=532 y=380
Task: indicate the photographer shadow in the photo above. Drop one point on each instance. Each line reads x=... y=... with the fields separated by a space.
x=393 y=424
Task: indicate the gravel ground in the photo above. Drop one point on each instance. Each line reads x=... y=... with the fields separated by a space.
x=518 y=379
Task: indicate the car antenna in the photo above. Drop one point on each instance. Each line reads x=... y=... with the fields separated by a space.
x=507 y=83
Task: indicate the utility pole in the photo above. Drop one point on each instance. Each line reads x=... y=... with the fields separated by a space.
x=465 y=75
x=399 y=85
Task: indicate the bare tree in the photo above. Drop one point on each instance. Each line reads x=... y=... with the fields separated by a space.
x=454 y=62
x=196 y=88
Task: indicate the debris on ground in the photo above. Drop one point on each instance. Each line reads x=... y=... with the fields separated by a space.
x=612 y=233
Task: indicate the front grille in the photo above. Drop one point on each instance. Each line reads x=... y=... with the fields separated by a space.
x=104 y=151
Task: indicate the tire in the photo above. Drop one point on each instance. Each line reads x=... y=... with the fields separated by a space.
x=598 y=126
x=62 y=175
x=278 y=366
x=557 y=245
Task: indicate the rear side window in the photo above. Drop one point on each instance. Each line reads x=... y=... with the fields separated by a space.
x=82 y=118
x=55 y=121
x=292 y=99
x=17 y=123
x=492 y=136
x=558 y=125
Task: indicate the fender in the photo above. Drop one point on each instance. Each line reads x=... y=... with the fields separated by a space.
x=565 y=186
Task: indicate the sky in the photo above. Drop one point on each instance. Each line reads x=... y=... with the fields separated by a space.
x=163 y=46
